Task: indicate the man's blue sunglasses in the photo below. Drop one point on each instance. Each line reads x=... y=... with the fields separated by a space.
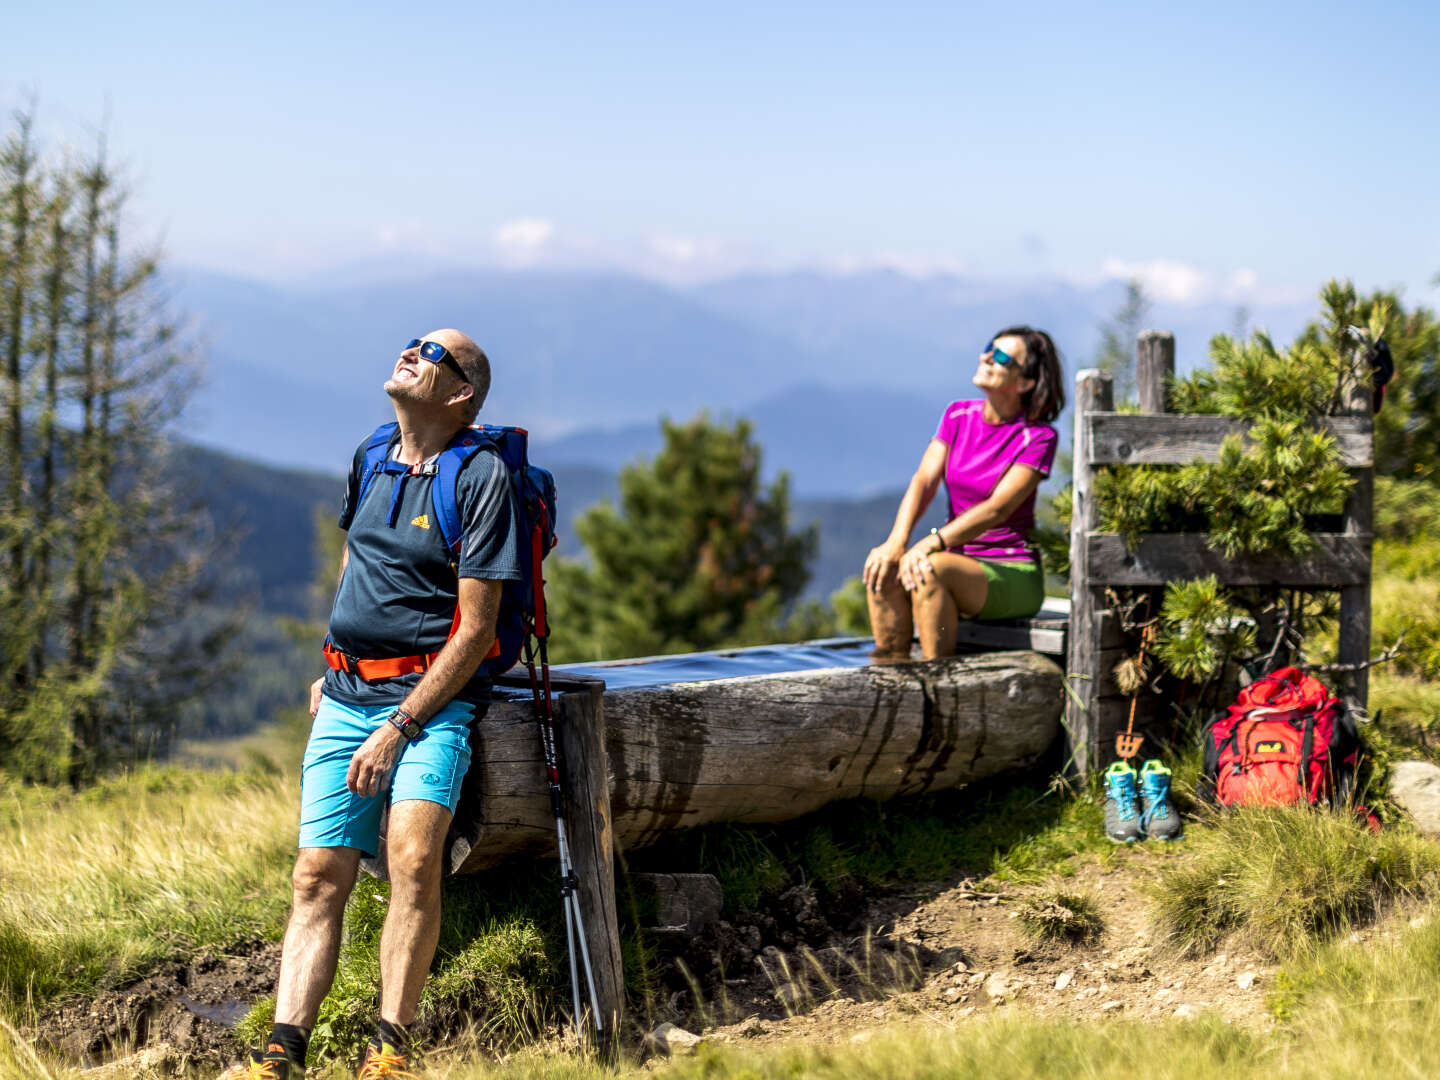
x=997 y=355
x=437 y=354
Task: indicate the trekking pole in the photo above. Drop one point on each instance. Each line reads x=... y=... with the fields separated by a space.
x=569 y=883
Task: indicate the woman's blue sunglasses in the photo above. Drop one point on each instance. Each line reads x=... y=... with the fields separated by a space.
x=997 y=355
x=437 y=354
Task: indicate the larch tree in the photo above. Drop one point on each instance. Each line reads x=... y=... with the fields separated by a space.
x=104 y=560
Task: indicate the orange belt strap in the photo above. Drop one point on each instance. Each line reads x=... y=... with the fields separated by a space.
x=391 y=666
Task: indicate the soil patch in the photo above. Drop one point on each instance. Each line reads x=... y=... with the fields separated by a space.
x=188 y=1009
x=821 y=970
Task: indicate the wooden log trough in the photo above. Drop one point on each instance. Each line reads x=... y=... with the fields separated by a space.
x=756 y=748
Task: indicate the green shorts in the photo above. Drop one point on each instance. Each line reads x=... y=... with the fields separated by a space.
x=1015 y=588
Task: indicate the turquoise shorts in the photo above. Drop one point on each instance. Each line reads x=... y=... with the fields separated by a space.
x=431 y=768
x=1014 y=589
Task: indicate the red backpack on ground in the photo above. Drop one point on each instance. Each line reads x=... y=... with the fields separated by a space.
x=1286 y=739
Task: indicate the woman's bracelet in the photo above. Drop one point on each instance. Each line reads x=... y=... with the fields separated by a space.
x=940 y=539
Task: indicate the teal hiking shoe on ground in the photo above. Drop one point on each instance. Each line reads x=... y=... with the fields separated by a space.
x=1158 y=818
x=1122 y=804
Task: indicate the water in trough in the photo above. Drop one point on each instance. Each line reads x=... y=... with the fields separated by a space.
x=726 y=663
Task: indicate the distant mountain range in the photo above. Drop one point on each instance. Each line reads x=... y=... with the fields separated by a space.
x=844 y=376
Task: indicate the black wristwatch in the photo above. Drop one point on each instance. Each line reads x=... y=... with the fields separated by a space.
x=408 y=725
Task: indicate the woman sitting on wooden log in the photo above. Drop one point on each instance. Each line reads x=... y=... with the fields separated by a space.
x=992 y=455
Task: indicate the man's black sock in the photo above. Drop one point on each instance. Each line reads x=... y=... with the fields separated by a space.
x=393 y=1034
x=295 y=1041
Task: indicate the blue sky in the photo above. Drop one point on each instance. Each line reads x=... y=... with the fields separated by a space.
x=1235 y=151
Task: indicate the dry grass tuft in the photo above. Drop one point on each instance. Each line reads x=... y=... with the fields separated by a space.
x=1287 y=878
x=1055 y=915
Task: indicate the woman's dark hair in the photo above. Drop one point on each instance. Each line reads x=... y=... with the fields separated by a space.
x=1044 y=401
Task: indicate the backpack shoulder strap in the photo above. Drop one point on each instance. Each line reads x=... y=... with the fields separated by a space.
x=377 y=450
x=447 y=474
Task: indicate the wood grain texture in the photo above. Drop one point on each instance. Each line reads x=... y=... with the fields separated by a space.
x=1094 y=392
x=1353 y=646
x=1337 y=560
x=1154 y=369
x=767 y=748
x=1180 y=438
x=585 y=768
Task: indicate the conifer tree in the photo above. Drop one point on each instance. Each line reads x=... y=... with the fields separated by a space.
x=103 y=561
x=698 y=554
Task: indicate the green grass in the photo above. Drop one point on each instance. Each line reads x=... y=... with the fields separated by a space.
x=1010 y=830
x=497 y=974
x=1407 y=711
x=1283 y=879
x=98 y=887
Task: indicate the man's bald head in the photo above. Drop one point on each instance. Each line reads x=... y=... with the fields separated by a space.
x=472 y=361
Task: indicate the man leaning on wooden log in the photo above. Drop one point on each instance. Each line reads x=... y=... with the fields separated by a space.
x=411 y=622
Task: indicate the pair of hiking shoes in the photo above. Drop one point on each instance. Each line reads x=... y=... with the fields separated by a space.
x=381 y=1062
x=1137 y=805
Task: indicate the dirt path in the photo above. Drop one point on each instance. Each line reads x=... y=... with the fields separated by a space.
x=954 y=951
x=182 y=1014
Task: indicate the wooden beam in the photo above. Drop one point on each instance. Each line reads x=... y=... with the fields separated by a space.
x=1154 y=368
x=1353 y=646
x=585 y=768
x=1094 y=392
x=1043 y=635
x=1337 y=560
x=1179 y=439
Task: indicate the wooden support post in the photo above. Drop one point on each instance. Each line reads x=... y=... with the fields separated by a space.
x=580 y=738
x=1154 y=369
x=1354 y=636
x=1094 y=392
x=1154 y=372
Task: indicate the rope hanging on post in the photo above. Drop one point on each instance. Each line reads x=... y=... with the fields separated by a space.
x=1127 y=743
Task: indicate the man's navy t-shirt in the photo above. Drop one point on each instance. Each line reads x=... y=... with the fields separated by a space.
x=398 y=593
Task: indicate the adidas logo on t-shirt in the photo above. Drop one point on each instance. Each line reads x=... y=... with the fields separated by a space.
x=423 y=521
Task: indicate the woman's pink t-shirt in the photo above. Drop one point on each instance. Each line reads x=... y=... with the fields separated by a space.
x=980 y=453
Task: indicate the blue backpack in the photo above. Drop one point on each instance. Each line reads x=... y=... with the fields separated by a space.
x=522 y=603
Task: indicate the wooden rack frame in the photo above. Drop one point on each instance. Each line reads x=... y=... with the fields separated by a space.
x=1095 y=709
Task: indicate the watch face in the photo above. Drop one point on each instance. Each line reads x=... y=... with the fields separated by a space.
x=409 y=727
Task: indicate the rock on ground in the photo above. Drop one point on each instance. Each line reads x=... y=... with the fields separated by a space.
x=1415 y=785
x=672 y=1040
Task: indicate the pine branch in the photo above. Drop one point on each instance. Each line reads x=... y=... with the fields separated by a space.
x=1384 y=658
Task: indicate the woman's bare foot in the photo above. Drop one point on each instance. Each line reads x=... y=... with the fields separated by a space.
x=889 y=657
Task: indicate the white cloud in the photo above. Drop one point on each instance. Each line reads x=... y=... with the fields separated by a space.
x=676 y=248
x=407 y=235
x=1176 y=282
x=687 y=259
x=523 y=240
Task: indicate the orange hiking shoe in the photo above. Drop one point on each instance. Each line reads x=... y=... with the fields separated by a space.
x=268 y=1064
x=383 y=1061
